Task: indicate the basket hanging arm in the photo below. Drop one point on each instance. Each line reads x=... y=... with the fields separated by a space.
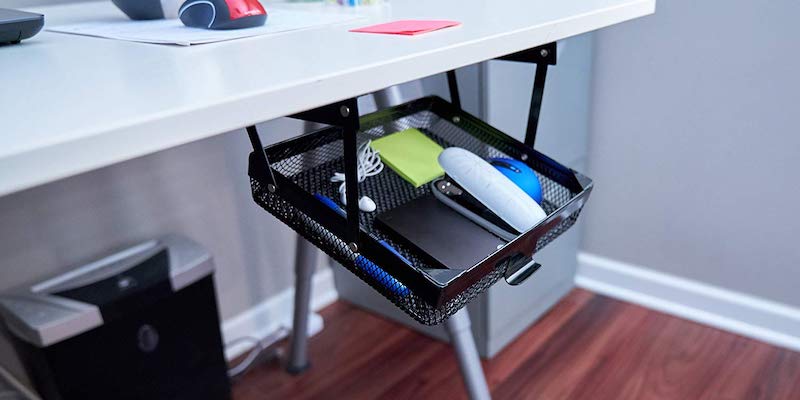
x=543 y=56
x=452 y=84
x=260 y=153
x=343 y=114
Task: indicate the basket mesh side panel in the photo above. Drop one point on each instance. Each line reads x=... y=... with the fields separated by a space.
x=311 y=163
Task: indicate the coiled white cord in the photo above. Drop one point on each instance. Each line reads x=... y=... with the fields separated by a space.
x=369 y=164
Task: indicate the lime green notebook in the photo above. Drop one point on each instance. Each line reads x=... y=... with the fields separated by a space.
x=411 y=154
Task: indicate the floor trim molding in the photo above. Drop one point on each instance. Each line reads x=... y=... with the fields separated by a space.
x=263 y=320
x=737 y=312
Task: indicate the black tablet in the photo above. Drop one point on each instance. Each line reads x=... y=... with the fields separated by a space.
x=439 y=234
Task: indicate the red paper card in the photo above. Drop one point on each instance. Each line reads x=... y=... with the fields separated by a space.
x=407 y=27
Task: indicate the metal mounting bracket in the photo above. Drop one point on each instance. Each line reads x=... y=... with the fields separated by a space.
x=543 y=56
x=343 y=114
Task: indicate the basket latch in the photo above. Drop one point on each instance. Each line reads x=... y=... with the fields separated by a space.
x=516 y=275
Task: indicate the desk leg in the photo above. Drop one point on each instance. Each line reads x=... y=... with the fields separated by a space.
x=388 y=97
x=305 y=263
x=458 y=327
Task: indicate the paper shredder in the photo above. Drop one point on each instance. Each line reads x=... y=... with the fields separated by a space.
x=138 y=324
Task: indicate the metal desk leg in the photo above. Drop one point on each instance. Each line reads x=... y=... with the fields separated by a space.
x=305 y=263
x=388 y=97
x=458 y=327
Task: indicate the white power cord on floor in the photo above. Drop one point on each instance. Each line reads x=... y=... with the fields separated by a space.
x=260 y=347
x=369 y=164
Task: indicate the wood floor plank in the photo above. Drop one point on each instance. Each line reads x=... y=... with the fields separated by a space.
x=739 y=372
x=779 y=379
x=679 y=362
x=612 y=369
x=587 y=347
x=529 y=342
x=439 y=378
x=556 y=369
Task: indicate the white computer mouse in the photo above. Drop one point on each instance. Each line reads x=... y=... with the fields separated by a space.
x=493 y=189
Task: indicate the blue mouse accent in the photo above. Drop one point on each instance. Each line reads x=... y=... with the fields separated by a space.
x=521 y=174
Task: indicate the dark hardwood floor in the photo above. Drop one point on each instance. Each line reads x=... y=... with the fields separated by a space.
x=587 y=347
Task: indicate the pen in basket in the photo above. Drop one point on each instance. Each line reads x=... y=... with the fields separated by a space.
x=368 y=266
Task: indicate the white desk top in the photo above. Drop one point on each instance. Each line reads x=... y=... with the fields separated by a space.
x=69 y=104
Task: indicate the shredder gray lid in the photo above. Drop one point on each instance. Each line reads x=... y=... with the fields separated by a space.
x=36 y=315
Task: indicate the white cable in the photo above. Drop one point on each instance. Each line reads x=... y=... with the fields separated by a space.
x=248 y=361
x=260 y=347
x=369 y=164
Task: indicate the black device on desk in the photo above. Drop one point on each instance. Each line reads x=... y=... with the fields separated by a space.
x=16 y=26
x=139 y=324
x=439 y=233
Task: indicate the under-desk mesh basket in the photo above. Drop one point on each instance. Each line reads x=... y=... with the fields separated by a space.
x=309 y=162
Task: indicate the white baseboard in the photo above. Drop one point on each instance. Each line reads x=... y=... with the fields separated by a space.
x=740 y=313
x=275 y=313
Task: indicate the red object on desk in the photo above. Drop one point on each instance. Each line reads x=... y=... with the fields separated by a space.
x=407 y=27
x=244 y=8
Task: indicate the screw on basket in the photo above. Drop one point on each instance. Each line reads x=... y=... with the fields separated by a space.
x=544 y=52
x=353 y=247
x=344 y=110
x=524 y=157
x=271 y=188
x=456 y=119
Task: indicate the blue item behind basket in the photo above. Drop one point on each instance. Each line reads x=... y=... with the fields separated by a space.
x=521 y=174
x=384 y=278
x=331 y=204
x=364 y=263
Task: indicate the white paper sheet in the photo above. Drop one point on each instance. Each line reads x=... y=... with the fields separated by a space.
x=172 y=31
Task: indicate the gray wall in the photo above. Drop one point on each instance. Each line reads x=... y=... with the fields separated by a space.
x=695 y=147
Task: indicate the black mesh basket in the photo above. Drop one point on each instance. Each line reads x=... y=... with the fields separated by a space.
x=302 y=167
